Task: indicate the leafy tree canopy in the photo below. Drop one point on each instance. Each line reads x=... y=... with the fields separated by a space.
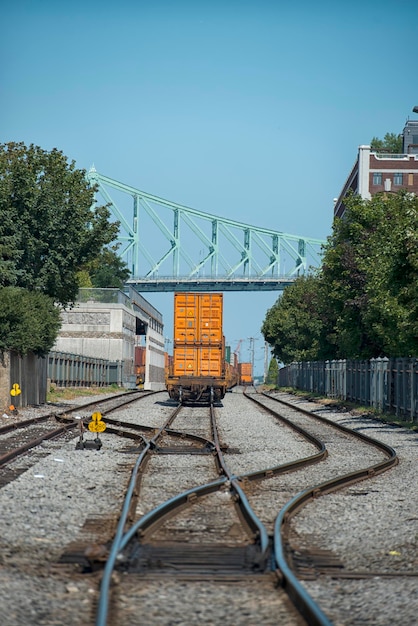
x=272 y=372
x=29 y=321
x=390 y=144
x=293 y=325
x=105 y=271
x=48 y=229
x=364 y=301
x=370 y=271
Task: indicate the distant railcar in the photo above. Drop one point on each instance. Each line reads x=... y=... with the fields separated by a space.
x=231 y=375
x=245 y=373
x=198 y=369
x=140 y=365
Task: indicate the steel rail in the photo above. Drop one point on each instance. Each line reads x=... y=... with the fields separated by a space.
x=16 y=425
x=13 y=454
x=253 y=522
x=153 y=518
x=292 y=465
x=205 y=443
x=62 y=417
x=138 y=396
x=126 y=434
x=296 y=592
x=181 y=435
x=102 y=612
x=387 y=450
x=219 y=458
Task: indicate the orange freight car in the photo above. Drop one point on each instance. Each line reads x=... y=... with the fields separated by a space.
x=198 y=318
x=140 y=365
x=198 y=368
x=231 y=374
x=245 y=373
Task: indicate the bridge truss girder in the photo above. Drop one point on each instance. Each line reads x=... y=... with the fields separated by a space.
x=161 y=239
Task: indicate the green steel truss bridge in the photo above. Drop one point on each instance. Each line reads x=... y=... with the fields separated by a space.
x=170 y=247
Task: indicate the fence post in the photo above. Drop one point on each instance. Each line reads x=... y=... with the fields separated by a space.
x=327 y=378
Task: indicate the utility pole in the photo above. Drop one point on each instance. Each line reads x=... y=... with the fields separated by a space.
x=252 y=341
x=266 y=360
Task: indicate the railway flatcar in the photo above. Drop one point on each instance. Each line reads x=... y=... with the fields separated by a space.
x=198 y=370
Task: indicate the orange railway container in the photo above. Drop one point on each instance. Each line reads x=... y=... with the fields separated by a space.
x=198 y=318
x=198 y=366
x=192 y=361
x=245 y=373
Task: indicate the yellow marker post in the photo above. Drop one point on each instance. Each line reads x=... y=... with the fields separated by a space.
x=97 y=425
x=15 y=390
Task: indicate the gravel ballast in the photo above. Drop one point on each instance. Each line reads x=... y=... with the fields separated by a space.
x=47 y=506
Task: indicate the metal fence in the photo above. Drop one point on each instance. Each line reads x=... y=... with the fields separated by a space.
x=73 y=370
x=29 y=373
x=390 y=385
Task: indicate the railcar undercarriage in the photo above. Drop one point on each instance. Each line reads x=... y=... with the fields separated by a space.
x=185 y=389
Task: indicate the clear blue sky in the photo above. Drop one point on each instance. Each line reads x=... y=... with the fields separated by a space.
x=249 y=109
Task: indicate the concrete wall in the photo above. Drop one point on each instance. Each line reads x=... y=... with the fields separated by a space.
x=99 y=330
x=154 y=361
x=107 y=330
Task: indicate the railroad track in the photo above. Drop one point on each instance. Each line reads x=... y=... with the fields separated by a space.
x=221 y=539
x=210 y=514
x=205 y=548
x=348 y=463
x=147 y=543
x=27 y=438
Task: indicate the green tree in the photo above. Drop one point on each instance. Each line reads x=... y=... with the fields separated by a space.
x=48 y=229
x=29 y=321
x=391 y=144
x=391 y=266
x=370 y=273
x=294 y=325
x=105 y=271
x=272 y=372
x=344 y=281
x=364 y=301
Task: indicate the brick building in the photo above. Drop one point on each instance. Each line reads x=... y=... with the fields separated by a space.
x=376 y=172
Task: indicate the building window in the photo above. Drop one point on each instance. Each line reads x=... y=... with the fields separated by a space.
x=398 y=178
x=410 y=179
x=377 y=178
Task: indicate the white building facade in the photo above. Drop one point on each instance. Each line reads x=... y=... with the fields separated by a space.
x=109 y=324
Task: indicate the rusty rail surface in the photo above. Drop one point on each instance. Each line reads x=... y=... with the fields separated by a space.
x=300 y=598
